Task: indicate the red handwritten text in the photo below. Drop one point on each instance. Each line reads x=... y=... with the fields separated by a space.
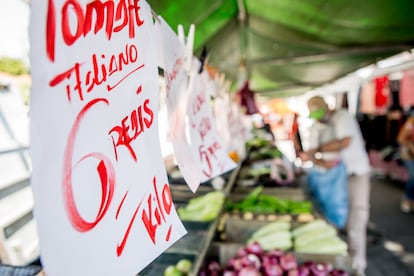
x=204 y=127
x=101 y=69
x=154 y=214
x=105 y=170
x=206 y=155
x=170 y=77
x=198 y=103
x=131 y=127
x=113 y=17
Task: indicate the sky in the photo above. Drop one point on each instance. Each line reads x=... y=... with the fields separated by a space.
x=14 y=22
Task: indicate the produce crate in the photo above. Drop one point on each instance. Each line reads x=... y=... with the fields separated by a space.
x=292 y=193
x=158 y=266
x=223 y=251
x=195 y=239
x=236 y=228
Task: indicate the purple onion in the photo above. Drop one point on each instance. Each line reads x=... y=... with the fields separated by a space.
x=276 y=253
x=248 y=271
x=229 y=273
x=272 y=270
x=270 y=260
x=242 y=251
x=255 y=248
x=304 y=270
x=213 y=266
x=236 y=263
x=293 y=272
x=288 y=262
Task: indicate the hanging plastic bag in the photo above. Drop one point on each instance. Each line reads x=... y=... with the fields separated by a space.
x=281 y=171
x=329 y=189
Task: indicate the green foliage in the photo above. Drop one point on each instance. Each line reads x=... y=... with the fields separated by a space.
x=13 y=66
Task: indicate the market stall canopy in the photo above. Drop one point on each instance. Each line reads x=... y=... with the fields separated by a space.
x=291 y=46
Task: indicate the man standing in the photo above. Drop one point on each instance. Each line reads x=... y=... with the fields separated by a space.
x=349 y=143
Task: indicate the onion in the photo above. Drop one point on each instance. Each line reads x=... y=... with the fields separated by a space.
x=288 y=262
x=213 y=266
x=229 y=273
x=248 y=271
x=272 y=270
x=293 y=272
x=242 y=251
x=270 y=260
x=254 y=248
x=254 y=261
x=304 y=270
x=276 y=253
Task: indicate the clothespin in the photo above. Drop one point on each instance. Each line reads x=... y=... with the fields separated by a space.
x=188 y=44
x=203 y=58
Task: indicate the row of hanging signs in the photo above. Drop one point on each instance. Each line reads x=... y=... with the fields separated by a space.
x=102 y=199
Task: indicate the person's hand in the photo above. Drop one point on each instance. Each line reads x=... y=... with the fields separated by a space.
x=331 y=163
x=305 y=156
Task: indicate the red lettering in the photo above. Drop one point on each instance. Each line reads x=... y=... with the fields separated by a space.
x=171 y=76
x=162 y=207
x=106 y=14
x=135 y=122
x=149 y=112
x=105 y=171
x=68 y=37
x=198 y=103
x=167 y=201
x=205 y=160
x=120 y=247
x=204 y=127
x=101 y=69
x=51 y=30
x=148 y=221
x=99 y=9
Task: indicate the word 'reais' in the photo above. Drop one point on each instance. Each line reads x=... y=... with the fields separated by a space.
x=131 y=127
x=97 y=15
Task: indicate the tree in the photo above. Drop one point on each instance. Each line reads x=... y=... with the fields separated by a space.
x=13 y=66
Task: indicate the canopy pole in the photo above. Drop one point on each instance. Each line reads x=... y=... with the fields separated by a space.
x=243 y=76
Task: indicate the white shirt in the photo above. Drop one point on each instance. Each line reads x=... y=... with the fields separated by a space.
x=354 y=156
x=321 y=133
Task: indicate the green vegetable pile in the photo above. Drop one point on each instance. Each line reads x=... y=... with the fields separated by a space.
x=203 y=208
x=182 y=268
x=257 y=202
x=261 y=149
x=318 y=237
x=256 y=143
x=274 y=235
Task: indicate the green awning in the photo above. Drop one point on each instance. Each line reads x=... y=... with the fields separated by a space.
x=290 y=46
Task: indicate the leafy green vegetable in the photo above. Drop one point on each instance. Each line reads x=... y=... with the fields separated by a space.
x=271 y=228
x=203 y=208
x=281 y=239
x=257 y=202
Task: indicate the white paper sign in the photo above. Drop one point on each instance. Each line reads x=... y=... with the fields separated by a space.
x=204 y=138
x=231 y=125
x=176 y=78
x=102 y=200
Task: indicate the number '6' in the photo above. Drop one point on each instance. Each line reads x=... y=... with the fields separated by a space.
x=104 y=168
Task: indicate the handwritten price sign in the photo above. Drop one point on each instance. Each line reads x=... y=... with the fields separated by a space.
x=178 y=93
x=102 y=200
x=205 y=143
